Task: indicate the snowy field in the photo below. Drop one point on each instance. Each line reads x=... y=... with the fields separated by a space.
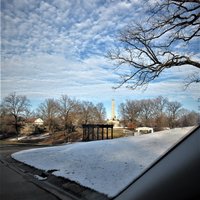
x=105 y=166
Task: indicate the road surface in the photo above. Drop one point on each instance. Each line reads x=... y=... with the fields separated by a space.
x=17 y=181
x=15 y=186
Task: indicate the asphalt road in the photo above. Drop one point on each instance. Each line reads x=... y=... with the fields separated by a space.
x=19 y=185
x=17 y=181
x=15 y=186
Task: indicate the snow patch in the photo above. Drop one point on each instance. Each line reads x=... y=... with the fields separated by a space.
x=40 y=178
x=30 y=137
x=106 y=166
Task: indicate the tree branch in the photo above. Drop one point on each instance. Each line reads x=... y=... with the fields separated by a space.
x=149 y=48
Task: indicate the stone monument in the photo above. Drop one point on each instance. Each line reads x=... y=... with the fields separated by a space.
x=113 y=119
x=113 y=116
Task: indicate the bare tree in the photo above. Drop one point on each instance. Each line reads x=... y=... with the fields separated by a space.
x=189 y=118
x=147 y=113
x=192 y=78
x=173 y=109
x=157 y=113
x=100 y=113
x=49 y=110
x=164 y=41
x=130 y=112
x=67 y=110
x=86 y=115
x=160 y=104
x=16 y=106
x=90 y=113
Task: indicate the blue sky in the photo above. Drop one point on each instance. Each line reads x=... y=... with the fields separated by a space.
x=56 y=47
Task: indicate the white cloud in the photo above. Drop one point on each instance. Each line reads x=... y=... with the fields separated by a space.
x=49 y=76
x=62 y=25
x=57 y=47
x=52 y=73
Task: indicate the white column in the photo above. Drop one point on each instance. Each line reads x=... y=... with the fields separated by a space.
x=113 y=109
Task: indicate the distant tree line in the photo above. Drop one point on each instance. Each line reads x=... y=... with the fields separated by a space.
x=157 y=113
x=58 y=114
x=66 y=114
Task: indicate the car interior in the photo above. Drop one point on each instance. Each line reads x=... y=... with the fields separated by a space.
x=175 y=175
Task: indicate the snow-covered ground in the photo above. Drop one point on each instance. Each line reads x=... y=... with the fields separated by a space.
x=106 y=166
x=30 y=137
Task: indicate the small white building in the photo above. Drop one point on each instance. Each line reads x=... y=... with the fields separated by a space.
x=143 y=130
x=38 y=121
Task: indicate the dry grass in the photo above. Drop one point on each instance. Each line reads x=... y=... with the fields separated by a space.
x=117 y=133
x=60 y=138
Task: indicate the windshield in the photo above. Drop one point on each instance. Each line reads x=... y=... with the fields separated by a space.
x=106 y=87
